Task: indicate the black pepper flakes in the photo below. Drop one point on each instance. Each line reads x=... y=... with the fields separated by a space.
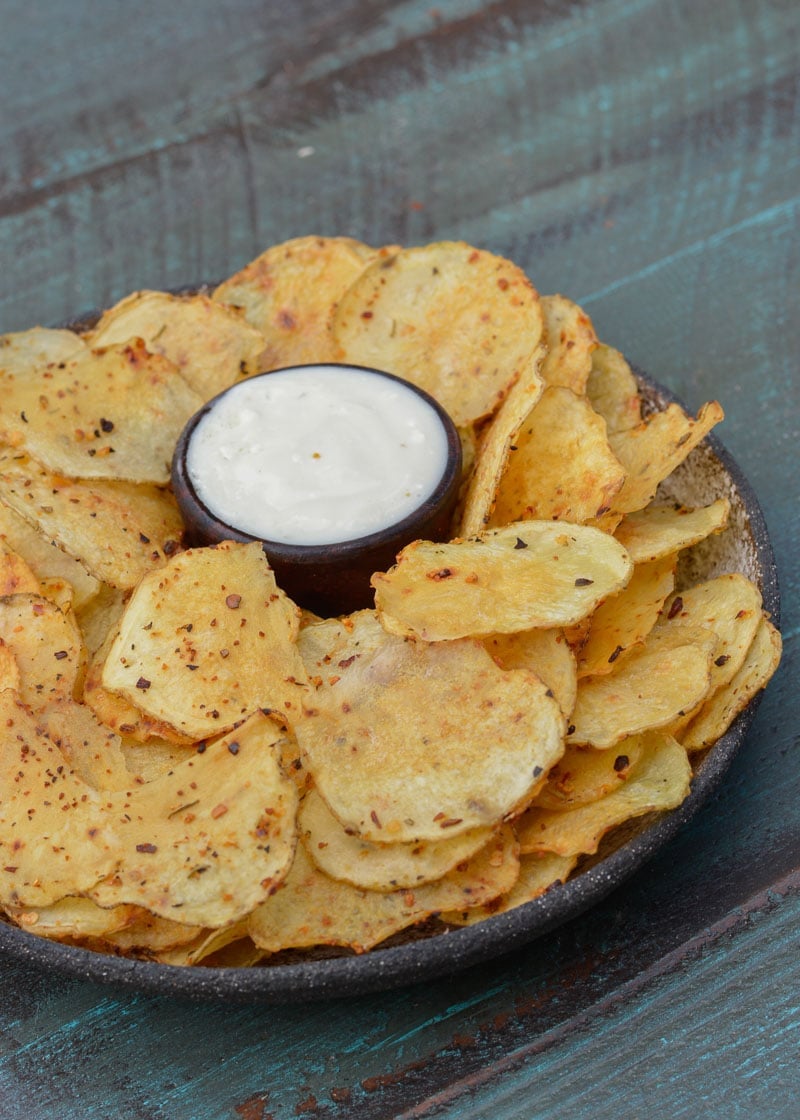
x=582 y=581
x=233 y=601
x=520 y=543
x=147 y=848
x=106 y=425
x=621 y=762
x=615 y=655
x=60 y=654
x=723 y=659
x=676 y=608
x=233 y=747
x=143 y=683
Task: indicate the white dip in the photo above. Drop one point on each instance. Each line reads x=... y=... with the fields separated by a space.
x=317 y=454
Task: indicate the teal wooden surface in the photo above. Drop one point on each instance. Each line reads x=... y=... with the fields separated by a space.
x=642 y=156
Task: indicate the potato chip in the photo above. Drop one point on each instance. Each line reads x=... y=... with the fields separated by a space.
x=211 y=345
x=545 y=653
x=71 y=919
x=584 y=774
x=15 y=575
x=46 y=646
x=202 y=945
x=289 y=293
x=313 y=909
x=570 y=343
x=97 y=617
x=9 y=669
x=537 y=873
x=26 y=351
x=202 y=845
x=152 y=758
x=624 y=620
x=531 y=574
x=44 y=558
x=721 y=708
x=462 y=324
x=380 y=867
x=92 y=751
x=408 y=741
x=117 y=530
x=207 y=640
x=660 y=780
x=112 y=413
x=561 y=466
x=661 y=530
x=653 y=449
x=613 y=391
x=651 y=686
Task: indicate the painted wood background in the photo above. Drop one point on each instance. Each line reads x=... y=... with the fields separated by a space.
x=642 y=156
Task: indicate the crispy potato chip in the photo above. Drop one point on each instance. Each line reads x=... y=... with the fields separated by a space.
x=380 y=867
x=289 y=293
x=561 y=466
x=211 y=345
x=313 y=909
x=613 y=391
x=15 y=575
x=204 y=844
x=583 y=774
x=117 y=530
x=154 y=938
x=719 y=711
x=660 y=780
x=530 y=574
x=71 y=919
x=44 y=558
x=653 y=449
x=98 y=616
x=148 y=760
x=207 y=640
x=624 y=620
x=9 y=669
x=92 y=751
x=46 y=646
x=112 y=413
x=408 y=741
x=537 y=873
x=202 y=945
x=661 y=530
x=544 y=652
x=26 y=351
x=570 y=343
x=462 y=324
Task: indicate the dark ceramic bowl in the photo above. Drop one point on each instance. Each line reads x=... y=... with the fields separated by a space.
x=328 y=579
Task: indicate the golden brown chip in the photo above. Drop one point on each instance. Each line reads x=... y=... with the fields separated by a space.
x=531 y=574
x=44 y=558
x=46 y=646
x=613 y=391
x=544 y=652
x=458 y=322
x=207 y=640
x=584 y=774
x=380 y=867
x=313 y=909
x=289 y=293
x=9 y=669
x=570 y=343
x=117 y=530
x=537 y=873
x=661 y=530
x=15 y=574
x=199 y=947
x=98 y=616
x=408 y=741
x=152 y=758
x=560 y=466
x=71 y=919
x=93 y=752
x=26 y=351
x=210 y=344
x=660 y=780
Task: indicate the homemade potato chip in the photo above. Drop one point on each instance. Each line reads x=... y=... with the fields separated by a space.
x=584 y=774
x=24 y=352
x=662 y=530
x=210 y=345
x=9 y=669
x=380 y=867
x=72 y=919
x=531 y=574
x=92 y=751
x=659 y=780
x=462 y=324
x=289 y=293
x=207 y=640
x=546 y=653
x=46 y=646
x=613 y=391
x=15 y=574
x=44 y=558
x=570 y=341
x=408 y=741
x=561 y=466
x=537 y=873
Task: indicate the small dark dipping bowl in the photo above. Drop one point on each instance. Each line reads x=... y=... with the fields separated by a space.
x=329 y=579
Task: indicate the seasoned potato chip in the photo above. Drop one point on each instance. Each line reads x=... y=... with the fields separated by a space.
x=92 y=751
x=202 y=945
x=112 y=413
x=25 y=351
x=148 y=760
x=570 y=341
x=211 y=345
x=584 y=774
x=380 y=867
x=313 y=909
x=613 y=391
x=661 y=530
x=44 y=558
x=561 y=466
x=651 y=686
x=624 y=620
x=544 y=652
x=71 y=919
x=531 y=574
x=660 y=780
x=408 y=741
x=207 y=640
x=117 y=530
x=99 y=616
x=537 y=873
x=289 y=293
x=462 y=324
x=719 y=711
x=15 y=575
x=46 y=646
x=9 y=669
x=653 y=449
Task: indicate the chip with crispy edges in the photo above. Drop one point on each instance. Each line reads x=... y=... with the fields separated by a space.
x=661 y=530
x=613 y=391
x=537 y=873
x=544 y=652
x=570 y=341
x=24 y=352
x=584 y=774
x=46 y=646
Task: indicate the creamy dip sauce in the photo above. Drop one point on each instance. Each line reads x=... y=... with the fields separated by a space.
x=317 y=454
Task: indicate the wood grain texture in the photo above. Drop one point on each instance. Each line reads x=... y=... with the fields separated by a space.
x=642 y=156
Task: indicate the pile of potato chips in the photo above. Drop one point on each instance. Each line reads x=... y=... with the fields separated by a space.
x=194 y=769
